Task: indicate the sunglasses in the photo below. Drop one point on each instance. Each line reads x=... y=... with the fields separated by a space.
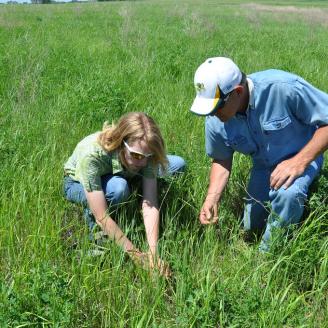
x=221 y=103
x=135 y=154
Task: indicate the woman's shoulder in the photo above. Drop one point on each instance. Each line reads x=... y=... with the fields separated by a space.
x=90 y=139
x=89 y=147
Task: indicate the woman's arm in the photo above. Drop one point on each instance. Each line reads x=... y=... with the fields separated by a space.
x=98 y=205
x=150 y=212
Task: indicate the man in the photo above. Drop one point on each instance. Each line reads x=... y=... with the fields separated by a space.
x=277 y=118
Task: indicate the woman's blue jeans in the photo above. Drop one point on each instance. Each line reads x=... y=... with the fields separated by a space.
x=271 y=209
x=116 y=188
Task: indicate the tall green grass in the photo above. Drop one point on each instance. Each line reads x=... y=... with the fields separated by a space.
x=65 y=69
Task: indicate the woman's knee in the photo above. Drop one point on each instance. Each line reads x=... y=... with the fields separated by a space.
x=117 y=190
x=74 y=192
x=176 y=164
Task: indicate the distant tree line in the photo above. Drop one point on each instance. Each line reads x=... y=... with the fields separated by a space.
x=113 y=0
x=52 y=1
x=41 y=1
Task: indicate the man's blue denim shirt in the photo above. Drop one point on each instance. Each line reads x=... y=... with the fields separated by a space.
x=283 y=114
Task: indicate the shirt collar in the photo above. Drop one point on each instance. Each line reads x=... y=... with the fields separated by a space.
x=250 y=101
x=251 y=92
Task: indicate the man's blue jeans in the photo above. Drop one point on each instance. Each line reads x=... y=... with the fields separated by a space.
x=269 y=209
x=116 y=188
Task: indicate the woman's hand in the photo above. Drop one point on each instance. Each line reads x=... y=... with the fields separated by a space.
x=158 y=265
x=149 y=262
x=137 y=257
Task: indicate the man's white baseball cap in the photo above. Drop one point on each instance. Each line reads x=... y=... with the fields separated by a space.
x=213 y=81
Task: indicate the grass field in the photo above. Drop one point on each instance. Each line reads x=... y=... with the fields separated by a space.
x=65 y=69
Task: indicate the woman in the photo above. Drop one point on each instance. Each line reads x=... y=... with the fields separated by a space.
x=97 y=175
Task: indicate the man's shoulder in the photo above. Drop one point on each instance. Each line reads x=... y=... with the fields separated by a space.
x=213 y=123
x=215 y=128
x=272 y=76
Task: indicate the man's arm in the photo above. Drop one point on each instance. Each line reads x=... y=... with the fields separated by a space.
x=219 y=176
x=287 y=171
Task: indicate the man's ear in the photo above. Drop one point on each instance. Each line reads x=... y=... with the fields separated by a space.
x=239 y=89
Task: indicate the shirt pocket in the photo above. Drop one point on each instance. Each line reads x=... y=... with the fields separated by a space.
x=277 y=131
x=241 y=144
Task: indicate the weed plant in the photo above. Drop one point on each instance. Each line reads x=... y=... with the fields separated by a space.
x=65 y=69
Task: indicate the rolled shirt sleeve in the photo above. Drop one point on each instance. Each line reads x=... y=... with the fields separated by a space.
x=215 y=144
x=88 y=171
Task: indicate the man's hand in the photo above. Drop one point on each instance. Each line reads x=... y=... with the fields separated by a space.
x=286 y=172
x=219 y=175
x=209 y=211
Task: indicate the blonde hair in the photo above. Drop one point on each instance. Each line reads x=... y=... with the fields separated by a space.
x=132 y=127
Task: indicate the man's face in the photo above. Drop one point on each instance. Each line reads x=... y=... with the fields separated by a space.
x=229 y=109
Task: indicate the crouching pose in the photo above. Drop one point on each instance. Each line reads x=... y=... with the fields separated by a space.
x=98 y=173
x=277 y=118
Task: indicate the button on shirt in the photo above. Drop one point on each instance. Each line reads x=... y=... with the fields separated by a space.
x=283 y=113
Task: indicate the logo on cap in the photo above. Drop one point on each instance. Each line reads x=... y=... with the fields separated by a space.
x=199 y=87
